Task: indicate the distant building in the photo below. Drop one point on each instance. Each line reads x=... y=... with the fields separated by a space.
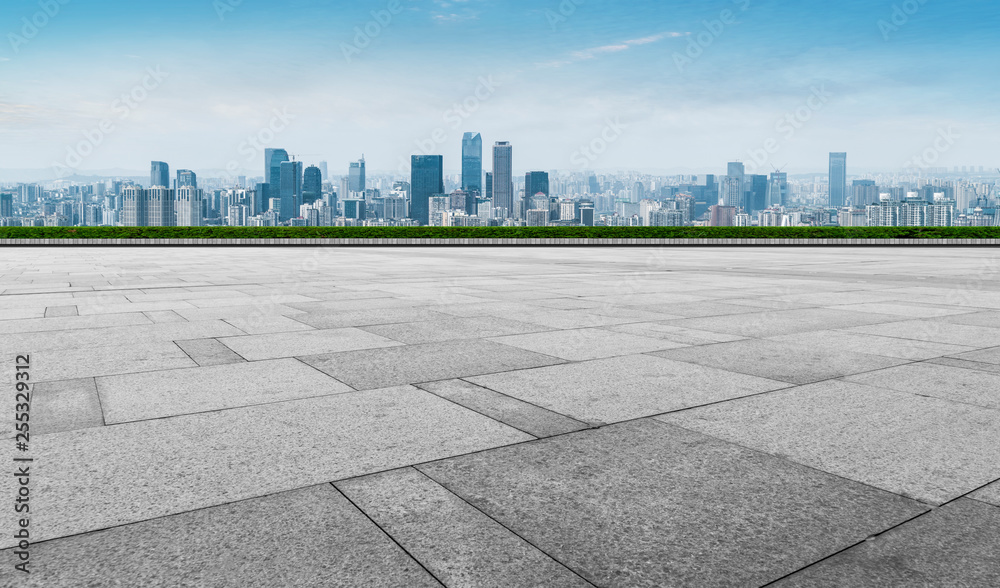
x=186 y=179
x=189 y=207
x=356 y=176
x=6 y=205
x=503 y=179
x=291 y=189
x=472 y=163
x=838 y=180
x=426 y=181
x=273 y=158
x=312 y=185
x=159 y=175
x=864 y=193
x=722 y=216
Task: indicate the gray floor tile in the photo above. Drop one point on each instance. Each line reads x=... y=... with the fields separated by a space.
x=98 y=478
x=956 y=545
x=926 y=448
x=847 y=341
x=938 y=331
x=138 y=335
x=969 y=365
x=901 y=309
x=584 y=344
x=978 y=319
x=623 y=388
x=164 y=316
x=67 y=364
x=150 y=395
x=272 y=346
x=991 y=355
x=786 y=362
x=452 y=328
x=206 y=352
x=70 y=322
x=261 y=325
x=65 y=406
x=311 y=537
x=784 y=322
x=414 y=364
x=364 y=318
x=458 y=544
x=951 y=383
x=669 y=332
x=518 y=414
x=59 y=311
x=641 y=504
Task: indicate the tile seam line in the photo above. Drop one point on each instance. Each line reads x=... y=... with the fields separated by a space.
x=503 y=526
x=549 y=410
x=460 y=405
x=390 y=537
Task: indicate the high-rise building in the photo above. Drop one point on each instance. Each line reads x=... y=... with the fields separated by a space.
x=503 y=179
x=758 y=194
x=472 y=163
x=291 y=189
x=733 y=189
x=356 y=176
x=160 y=207
x=324 y=169
x=722 y=216
x=838 y=179
x=426 y=181
x=535 y=183
x=312 y=185
x=777 y=189
x=273 y=158
x=864 y=193
x=189 y=206
x=159 y=175
x=186 y=179
x=488 y=186
x=6 y=205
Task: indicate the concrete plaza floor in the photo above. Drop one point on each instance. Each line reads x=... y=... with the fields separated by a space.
x=505 y=417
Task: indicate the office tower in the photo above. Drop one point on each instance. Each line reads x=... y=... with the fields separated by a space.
x=472 y=162
x=188 y=206
x=160 y=207
x=864 y=193
x=291 y=189
x=758 y=194
x=356 y=176
x=312 y=185
x=186 y=179
x=354 y=208
x=535 y=183
x=722 y=216
x=134 y=206
x=159 y=175
x=426 y=181
x=503 y=179
x=324 y=169
x=488 y=186
x=838 y=180
x=271 y=188
x=777 y=189
x=6 y=205
x=732 y=192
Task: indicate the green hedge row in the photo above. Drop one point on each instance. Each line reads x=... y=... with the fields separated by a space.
x=500 y=232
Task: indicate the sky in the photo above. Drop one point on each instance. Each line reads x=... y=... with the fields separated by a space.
x=574 y=85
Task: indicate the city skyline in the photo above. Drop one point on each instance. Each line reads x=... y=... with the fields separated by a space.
x=657 y=86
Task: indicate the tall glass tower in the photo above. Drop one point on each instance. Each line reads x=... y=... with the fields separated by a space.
x=186 y=179
x=503 y=178
x=159 y=174
x=357 y=176
x=472 y=163
x=312 y=185
x=291 y=189
x=273 y=158
x=838 y=179
x=426 y=180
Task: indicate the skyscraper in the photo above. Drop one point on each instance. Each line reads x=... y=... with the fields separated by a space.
x=312 y=185
x=325 y=170
x=135 y=201
x=488 y=186
x=777 y=189
x=758 y=194
x=160 y=207
x=733 y=186
x=189 y=206
x=185 y=178
x=291 y=189
x=534 y=183
x=503 y=179
x=356 y=176
x=426 y=181
x=6 y=205
x=472 y=163
x=159 y=175
x=838 y=179
x=273 y=158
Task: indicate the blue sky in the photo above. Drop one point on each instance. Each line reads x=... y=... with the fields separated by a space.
x=686 y=86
